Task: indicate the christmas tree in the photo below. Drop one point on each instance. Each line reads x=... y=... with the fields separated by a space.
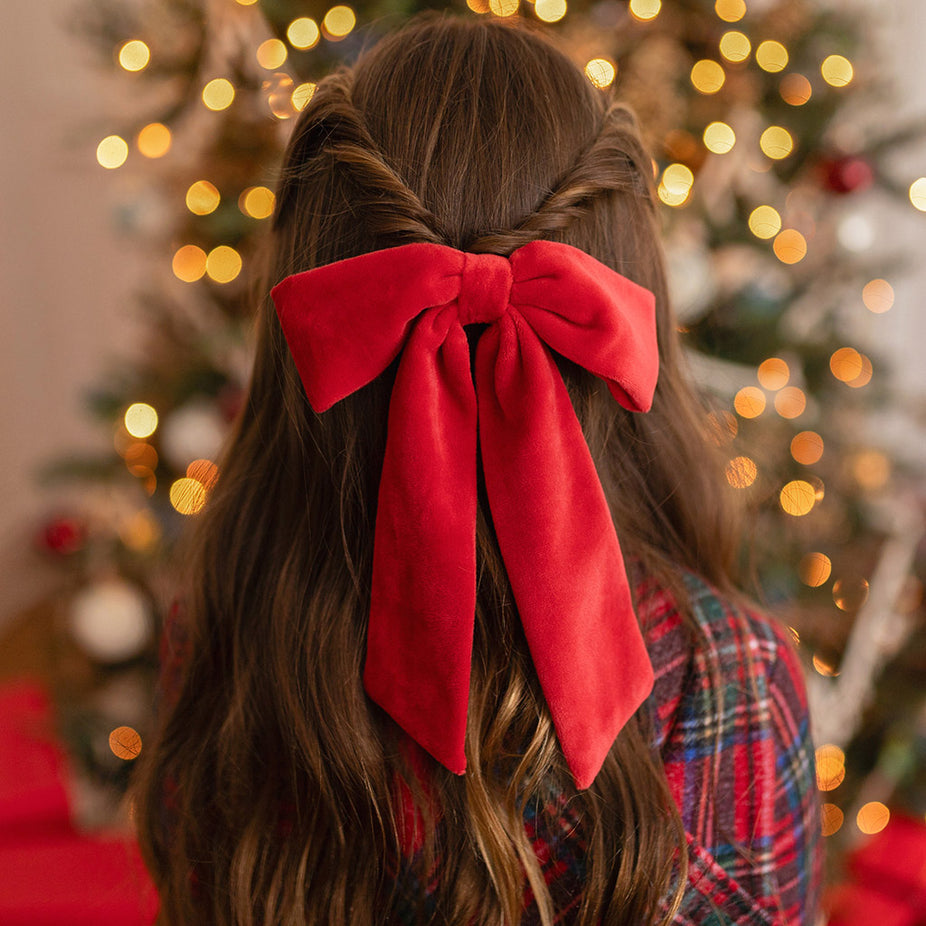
x=757 y=116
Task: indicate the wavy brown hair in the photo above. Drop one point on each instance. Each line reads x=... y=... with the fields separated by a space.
x=282 y=777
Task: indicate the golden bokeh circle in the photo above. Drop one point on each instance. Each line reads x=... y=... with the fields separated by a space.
x=735 y=46
x=815 y=569
x=154 y=140
x=790 y=402
x=223 y=264
x=771 y=56
x=552 y=11
x=790 y=246
x=111 y=152
x=218 y=94
x=189 y=263
x=600 y=72
x=878 y=296
x=645 y=10
x=202 y=197
x=303 y=33
x=749 y=402
x=741 y=472
x=795 y=89
x=797 y=498
x=764 y=222
x=807 y=447
x=719 y=138
x=773 y=373
x=837 y=70
x=125 y=743
x=707 y=76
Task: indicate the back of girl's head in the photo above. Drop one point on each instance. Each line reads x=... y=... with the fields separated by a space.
x=479 y=135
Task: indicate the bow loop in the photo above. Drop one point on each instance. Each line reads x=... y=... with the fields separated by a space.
x=344 y=323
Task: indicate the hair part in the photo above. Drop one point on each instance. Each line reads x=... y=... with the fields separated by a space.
x=284 y=781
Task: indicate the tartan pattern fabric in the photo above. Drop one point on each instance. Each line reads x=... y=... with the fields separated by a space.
x=731 y=723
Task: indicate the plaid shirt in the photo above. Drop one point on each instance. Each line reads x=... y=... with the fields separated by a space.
x=732 y=726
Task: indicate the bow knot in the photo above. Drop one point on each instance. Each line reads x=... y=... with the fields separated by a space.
x=345 y=323
x=485 y=288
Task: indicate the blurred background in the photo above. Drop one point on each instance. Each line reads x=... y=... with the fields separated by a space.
x=140 y=144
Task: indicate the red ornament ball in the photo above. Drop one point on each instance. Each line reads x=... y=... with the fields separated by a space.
x=63 y=535
x=847 y=174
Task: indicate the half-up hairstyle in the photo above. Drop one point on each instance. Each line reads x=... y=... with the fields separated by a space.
x=289 y=790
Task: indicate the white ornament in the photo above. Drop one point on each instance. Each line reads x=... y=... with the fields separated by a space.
x=111 y=621
x=195 y=431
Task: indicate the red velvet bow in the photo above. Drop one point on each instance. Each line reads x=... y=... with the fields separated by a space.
x=344 y=323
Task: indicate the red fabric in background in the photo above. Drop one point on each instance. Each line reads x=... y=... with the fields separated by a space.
x=51 y=874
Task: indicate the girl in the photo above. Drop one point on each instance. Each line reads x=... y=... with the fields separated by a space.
x=460 y=641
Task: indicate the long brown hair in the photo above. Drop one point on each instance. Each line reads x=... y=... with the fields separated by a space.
x=282 y=776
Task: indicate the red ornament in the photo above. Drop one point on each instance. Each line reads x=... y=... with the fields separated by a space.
x=63 y=535
x=846 y=174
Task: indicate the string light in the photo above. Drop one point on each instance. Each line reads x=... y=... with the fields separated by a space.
x=719 y=138
x=551 y=11
x=815 y=569
x=790 y=402
x=797 y=498
x=878 y=296
x=776 y=142
x=202 y=197
x=339 y=20
x=302 y=94
x=223 y=264
x=141 y=420
x=735 y=46
x=645 y=10
x=111 y=152
x=707 y=76
x=189 y=263
x=601 y=72
x=918 y=194
x=795 y=89
x=303 y=33
x=730 y=11
x=154 y=140
x=837 y=70
x=749 y=402
x=271 y=54
x=790 y=246
x=257 y=202
x=125 y=743
x=134 y=55
x=872 y=817
x=218 y=94
x=773 y=373
x=807 y=448
x=741 y=472
x=764 y=222
x=188 y=496
x=772 y=56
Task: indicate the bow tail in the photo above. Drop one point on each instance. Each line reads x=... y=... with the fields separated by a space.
x=420 y=636
x=560 y=549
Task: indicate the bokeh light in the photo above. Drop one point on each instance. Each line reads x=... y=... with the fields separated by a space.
x=302 y=94
x=846 y=364
x=764 y=222
x=600 y=72
x=218 y=94
x=134 y=55
x=831 y=819
x=814 y=569
x=189 y=263
x=878 y=296
x=807 y=447
x=749 y=402
x=730 y=11
x=824 y=668
x=257 y=202
x=188 y=496
x=303 y=33
x=707 y=76
x=790 y=402
x=223 y=264
x=125 y=743
x=202 y=197
x=790 y=246
x=831 y=767
x=851 y=593
x=719 y=138
x=772 y=56
x=797 y=498
x=776 y=142
x=154 y=140
x=918 y=193
x=773 y=373
x=864 y=377
x=203 y=471
x=741 y=472
x=551 y=11
x=795 y=89
x=735 y=46
x=871 y=469
x=141 y=420
x=111 y=152
x=644 y=10
x=271 y=54
x=872 y=817
x=837 y=70
x=279 y=90
x=340 y=20
x=140 y=531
